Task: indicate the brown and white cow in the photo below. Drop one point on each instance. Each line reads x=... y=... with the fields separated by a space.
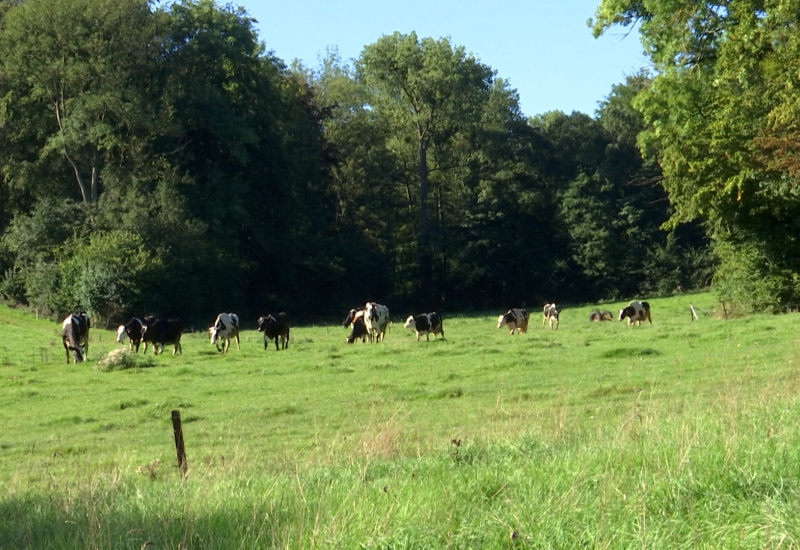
x=275 y=327
x=601 y=316
x=425 y=323
x=75 y=336
x=225 y=327
x=636 y=312
x=516 y=320
x=550 y=314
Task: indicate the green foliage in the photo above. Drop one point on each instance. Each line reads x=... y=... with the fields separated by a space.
x=236 y=184
x=747 y=278
x=110 y=275
x=719 y=116
x=71 y=104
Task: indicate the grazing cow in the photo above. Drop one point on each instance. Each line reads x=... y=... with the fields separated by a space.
x=75 y=336
x=163 y=332
x=516 y=320
x=601 y=316
x=133 y=331
x=425 y=323
x=225 y=327
x=636 y=312
x=275 y=327
x=351 y=316
x=550 y=313
x=359 y=328
x=376 y=318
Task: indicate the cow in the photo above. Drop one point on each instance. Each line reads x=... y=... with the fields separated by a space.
x=600 y=316
x=163 y=332
x=75 y=336
x=425 y=323
x=376 y=318
x=351 y=316
x=516 y=320
x=275 y=327
x=133 y=330
x=358 y=328
x=225 y=327
x=636 y=312
x=550 y=313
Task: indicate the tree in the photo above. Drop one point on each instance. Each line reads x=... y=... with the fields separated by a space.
x=720 y=115
x=70 y=71
x=432 y=95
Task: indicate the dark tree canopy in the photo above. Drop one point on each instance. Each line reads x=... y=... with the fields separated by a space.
x=158 y=160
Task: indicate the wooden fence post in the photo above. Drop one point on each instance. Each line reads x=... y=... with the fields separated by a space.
x=178 y=431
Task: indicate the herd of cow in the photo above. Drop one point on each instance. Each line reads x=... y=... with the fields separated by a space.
x=368 y=322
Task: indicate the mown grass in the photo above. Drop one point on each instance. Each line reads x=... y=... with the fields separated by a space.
x=680 y=434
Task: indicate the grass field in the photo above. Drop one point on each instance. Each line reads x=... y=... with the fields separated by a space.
x=683 y=434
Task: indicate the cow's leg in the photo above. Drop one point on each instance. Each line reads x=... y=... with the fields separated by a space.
x=237 y=342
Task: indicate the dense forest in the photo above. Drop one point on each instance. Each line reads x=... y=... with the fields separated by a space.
x=159 y=160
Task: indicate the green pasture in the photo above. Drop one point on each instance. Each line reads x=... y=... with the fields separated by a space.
x=683 y=434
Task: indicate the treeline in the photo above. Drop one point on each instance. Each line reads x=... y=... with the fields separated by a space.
x=160 y=160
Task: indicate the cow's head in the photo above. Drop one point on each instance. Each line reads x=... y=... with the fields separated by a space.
x=213 y=333
x=625 y=312
x=501 y=321
x=411 y=323
x=122 y=335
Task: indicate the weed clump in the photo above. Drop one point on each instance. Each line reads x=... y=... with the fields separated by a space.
x=121 y=359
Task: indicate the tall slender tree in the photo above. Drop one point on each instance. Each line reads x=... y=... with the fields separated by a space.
x=431 y=93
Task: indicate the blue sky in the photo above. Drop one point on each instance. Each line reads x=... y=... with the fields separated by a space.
x=543 y=48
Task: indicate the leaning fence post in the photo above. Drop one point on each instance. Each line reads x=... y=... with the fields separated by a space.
x=178 y=431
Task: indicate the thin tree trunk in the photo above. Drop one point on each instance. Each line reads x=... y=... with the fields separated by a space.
x=79 y=178
x=424 y=245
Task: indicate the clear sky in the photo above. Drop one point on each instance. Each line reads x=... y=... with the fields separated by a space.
x=543 y=48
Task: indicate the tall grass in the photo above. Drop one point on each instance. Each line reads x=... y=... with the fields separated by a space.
x=680 y=434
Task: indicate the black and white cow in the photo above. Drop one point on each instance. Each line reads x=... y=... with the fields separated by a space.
x=275 y=327
x=133 y=330
x=163 y=332
x=358 y=328
x=225 y=327
x=636 y=312
x=75 y=336
x=550 y=313
x=425 y=323
x=516 y=320
x=376 y=318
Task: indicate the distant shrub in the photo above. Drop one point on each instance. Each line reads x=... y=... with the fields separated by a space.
x=121 y=359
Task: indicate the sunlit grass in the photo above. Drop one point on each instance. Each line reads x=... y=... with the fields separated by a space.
x=679 y=434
